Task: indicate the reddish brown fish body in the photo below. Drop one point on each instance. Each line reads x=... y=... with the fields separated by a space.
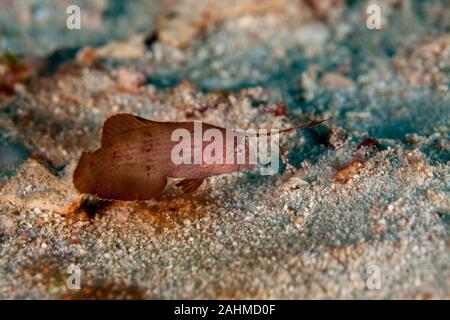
x=134 y=160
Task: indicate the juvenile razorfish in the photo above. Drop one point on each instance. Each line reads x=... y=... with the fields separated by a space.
x=137 y=156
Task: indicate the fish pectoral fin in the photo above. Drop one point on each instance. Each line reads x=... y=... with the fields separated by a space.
x=129 y=186
x=190 y=185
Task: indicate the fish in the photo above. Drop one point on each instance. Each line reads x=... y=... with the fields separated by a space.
x=134 y=160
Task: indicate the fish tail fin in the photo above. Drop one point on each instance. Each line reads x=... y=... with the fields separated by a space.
x=87 y=172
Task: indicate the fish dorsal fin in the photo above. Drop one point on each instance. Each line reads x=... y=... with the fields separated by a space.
x=120 y=123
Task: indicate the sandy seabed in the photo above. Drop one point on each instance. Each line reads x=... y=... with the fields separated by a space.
x=366 y=192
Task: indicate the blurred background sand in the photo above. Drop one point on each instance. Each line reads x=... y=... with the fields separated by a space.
x=368 y=188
